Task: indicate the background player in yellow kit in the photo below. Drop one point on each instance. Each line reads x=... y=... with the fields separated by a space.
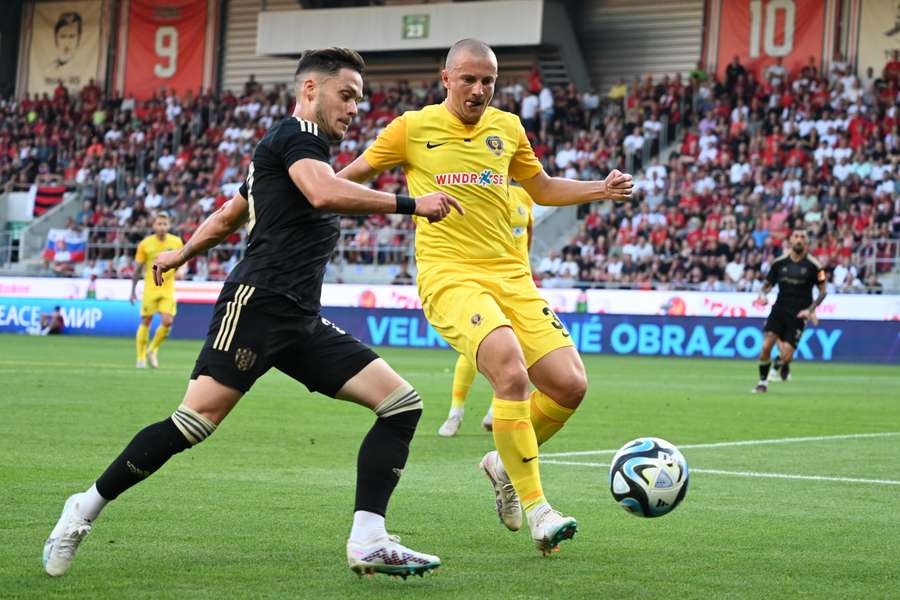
x=156 y=299
x=476 y=290
x=521 y=221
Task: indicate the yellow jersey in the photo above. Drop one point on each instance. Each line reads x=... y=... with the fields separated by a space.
x=472 y=163
x=147 y=250
x=520 y=218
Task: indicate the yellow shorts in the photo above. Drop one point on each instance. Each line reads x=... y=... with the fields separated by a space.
x=465 y=305
x=158 y=303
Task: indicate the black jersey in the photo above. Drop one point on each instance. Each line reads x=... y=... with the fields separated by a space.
x=290 y=241
x=795 y=281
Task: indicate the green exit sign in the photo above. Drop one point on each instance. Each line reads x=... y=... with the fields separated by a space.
x=415 y=27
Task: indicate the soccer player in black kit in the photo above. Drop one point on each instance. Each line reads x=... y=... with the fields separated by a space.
x=267 y=315
x=795 y=273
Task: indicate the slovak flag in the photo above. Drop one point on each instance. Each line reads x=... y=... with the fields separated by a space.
x=65 y=245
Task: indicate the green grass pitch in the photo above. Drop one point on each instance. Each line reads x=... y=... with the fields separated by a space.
x=263 y=508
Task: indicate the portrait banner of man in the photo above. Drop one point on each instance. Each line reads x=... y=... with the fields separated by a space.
x=879 y=35
x=65 y=45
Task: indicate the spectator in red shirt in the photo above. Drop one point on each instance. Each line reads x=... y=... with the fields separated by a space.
x=892 y=68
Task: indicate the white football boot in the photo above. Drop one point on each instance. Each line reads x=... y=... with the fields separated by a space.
x=450 y=426
x=153 y=359
x=549 y=528
x=508 y=507
x=141 y=364
x=60 y=547
x=386 y=555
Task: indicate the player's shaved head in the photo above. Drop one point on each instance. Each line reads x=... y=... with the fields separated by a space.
x=469 y=74
x=470 y=46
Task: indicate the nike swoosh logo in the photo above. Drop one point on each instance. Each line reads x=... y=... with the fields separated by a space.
x=525 y=460
x=429 y=145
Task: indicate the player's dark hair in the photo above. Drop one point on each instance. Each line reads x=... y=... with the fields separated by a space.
x=66 y=19
x=330 y=61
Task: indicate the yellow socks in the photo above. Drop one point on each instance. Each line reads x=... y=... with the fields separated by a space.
x=142 y=337
x=162 y=332
x=547 y=417
x=463 y=375
x=518 y=449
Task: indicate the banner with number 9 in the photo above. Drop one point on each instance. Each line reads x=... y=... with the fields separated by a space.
x=166 y=46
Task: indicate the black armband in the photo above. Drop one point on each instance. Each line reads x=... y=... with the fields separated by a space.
x=406 y=205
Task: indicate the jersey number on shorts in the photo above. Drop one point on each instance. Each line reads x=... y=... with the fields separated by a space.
x=554 y=320
x=252 y=210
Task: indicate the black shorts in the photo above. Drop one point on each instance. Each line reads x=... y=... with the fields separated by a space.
x=253 y=329
x=788 y=327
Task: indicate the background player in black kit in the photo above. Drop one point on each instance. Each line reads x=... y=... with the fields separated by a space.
x=796 y=274
x=267 y=315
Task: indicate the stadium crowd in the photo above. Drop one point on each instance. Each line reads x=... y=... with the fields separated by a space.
x=757 y=158
x=188 y=155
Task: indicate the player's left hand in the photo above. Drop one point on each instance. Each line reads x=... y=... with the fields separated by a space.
x=165 y=261
x=810 y=315
x=618 y=186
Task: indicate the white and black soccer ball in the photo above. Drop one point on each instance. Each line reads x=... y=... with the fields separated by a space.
x=648 y=477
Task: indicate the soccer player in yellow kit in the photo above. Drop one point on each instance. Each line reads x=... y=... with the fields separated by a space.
x=521 y=221
x=476 y=290
x=156 y=299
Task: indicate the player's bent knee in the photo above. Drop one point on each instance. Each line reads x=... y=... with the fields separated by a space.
x=193 y=426
x=511 y=380
x=575 y=389
x=403 y=399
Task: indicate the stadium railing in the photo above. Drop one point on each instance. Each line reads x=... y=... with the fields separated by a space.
x=123 y=242
x=7 y=247
x=109 y=242
x=881 y=255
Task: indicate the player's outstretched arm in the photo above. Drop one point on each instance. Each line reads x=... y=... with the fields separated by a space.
x=328 y=192
x=211 y=232
x=559 y=191
x=359 y=170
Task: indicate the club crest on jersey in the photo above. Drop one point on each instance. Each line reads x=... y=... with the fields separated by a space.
x=244 y=358
x=484 y=178
x=475 y=320
x=494 y=144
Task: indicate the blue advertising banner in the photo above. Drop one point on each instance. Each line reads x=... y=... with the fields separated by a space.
x=703 y=337
x=97 y=317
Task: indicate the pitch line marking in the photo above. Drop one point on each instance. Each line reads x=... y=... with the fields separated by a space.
x=744 y=473
x=790 y=440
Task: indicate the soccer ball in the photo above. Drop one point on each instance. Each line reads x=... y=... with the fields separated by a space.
x=648 y=477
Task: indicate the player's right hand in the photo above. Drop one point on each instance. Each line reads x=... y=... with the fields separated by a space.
x=618 y=185
x=133 y=297
x=437 y=205
x=165 y=261
x=761 y=301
